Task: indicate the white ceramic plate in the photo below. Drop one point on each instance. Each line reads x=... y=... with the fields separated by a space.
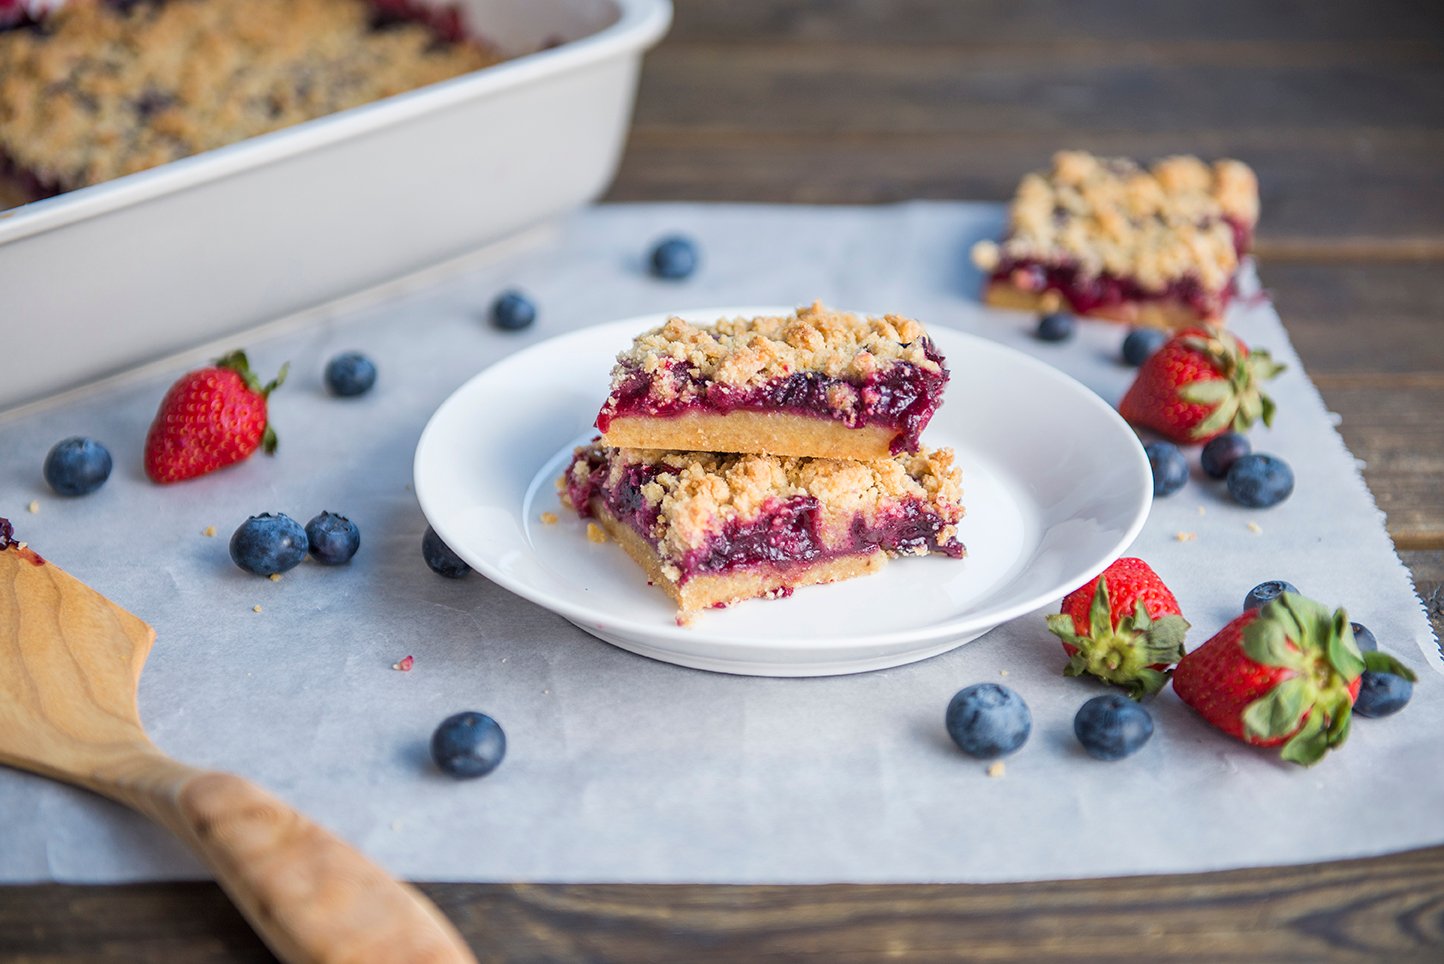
x=1056 y=487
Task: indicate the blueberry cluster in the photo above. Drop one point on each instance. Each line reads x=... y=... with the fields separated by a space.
x=268 y=544
x=988 y=721
x=1253 y=479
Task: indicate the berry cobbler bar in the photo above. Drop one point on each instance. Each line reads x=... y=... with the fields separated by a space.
x=95 y=89
x=1107 y=238
x=713 y=530
x=815 y=383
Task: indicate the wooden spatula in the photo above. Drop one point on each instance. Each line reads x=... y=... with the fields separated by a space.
x=70 y=660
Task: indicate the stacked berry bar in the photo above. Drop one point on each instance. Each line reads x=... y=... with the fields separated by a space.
x=1108 y=238
x=752 y=456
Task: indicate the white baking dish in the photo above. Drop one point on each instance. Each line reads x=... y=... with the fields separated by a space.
x=109 y=276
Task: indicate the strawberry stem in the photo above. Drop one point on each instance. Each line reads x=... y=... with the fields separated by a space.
x=1237 y=400
x=1312 y=707
x=1125 y=655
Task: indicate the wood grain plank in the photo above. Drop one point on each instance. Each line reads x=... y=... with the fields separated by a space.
x=1320 y=188
x=1397 y=432
x=1427 y=567
x=1343 y=318
x=891 y=90
x=925 y=22
x=1366 y=910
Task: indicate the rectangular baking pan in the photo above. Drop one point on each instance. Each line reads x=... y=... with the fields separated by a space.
x=109 y=276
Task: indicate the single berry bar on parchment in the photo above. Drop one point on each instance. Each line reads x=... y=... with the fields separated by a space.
x=1107 y=238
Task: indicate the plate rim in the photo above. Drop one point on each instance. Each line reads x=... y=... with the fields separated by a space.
x=581 y=614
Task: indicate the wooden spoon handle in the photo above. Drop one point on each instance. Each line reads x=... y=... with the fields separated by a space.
x=309 y=895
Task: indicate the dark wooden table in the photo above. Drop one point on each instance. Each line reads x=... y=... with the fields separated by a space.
x=1339 y=105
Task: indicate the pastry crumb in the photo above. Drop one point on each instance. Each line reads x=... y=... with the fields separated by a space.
x=596 y=533
x=1002 y=672
x=549 y=518
x=404 y=664
x=33 y=507
x=1202 y=510
x=996 y=769
x=1185 y=536
x=274 y=577
x=209 y=532
x=256 y=608
x=1255 y=528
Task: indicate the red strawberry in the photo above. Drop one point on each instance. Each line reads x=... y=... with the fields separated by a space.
x=1201 y=383
x=1284 y=674
x=1123 y=627
x=209 y=419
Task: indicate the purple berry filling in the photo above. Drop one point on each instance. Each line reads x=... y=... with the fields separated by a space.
x=786 y=531
x=7 y=533
x=1085 y=293
x=901 y=396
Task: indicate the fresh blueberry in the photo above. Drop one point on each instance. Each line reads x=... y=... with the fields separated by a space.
x=1141 y=343
x=1111 y=727
x=1170 y=468
x=1382 y=694
x=987 y=720
x=350 y=373
x=674 y=258
x=512 y=311
x=1265 y=593
x=267 y=543
x=1057 y=326
x=77 y=466
x=333 y=539
x=440 y=558
x=1220 y=453
x=468 y=745
x=1260 y=481
x=1364 y=638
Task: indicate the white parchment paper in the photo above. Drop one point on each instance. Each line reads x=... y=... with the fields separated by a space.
x=623 y=769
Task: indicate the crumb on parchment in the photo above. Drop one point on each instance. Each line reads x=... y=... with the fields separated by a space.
x=256 y=608
x=404 y=664
x=33 y=507
x=1255 y=528
x=996 y=769
x=1182 y=536
x=549 y=518
x=596 y=533
x=274 y=577
x=209 y=532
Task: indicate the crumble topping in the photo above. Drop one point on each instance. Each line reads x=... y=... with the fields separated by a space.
x=748 y=352
x=1110 y=215
x=696 y=493
x=106 y=89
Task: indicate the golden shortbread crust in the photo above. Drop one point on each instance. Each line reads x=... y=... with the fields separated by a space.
x=766 y=433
